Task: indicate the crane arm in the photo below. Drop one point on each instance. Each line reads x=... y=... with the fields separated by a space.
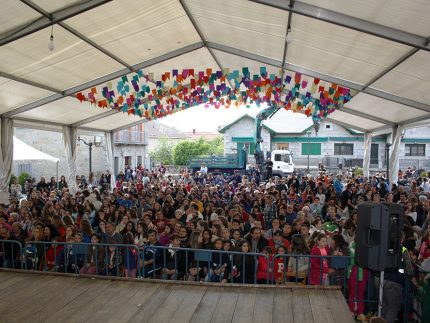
x=267 y=113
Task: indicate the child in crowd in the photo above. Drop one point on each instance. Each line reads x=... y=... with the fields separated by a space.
x=319 y=265
x=129 y=256
x=220 y=263
x=264 y=270
x=245 y=265
x=280 y=265
x=298 y=266
x=95 y=263
x=357 y=280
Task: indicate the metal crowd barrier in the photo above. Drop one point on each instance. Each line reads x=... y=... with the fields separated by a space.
x=93 y=259
x=202 y=265
x=285 y=269
x=161 y=262
x=10 y=254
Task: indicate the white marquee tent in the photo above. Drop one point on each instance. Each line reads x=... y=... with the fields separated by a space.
x=379 y=49
x=24 y=152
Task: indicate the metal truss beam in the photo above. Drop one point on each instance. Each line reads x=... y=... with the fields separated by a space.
x=352 y=85
x=350 y=22
x=104 y=79
x=35 y=84
x=366 y=116
x=44 y=21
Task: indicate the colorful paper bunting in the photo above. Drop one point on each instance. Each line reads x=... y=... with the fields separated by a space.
x=151 y=98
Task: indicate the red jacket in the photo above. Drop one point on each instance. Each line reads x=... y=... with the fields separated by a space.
x=264 y=267
x=316 y=263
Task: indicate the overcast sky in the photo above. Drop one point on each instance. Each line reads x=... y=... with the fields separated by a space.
x=206 y=119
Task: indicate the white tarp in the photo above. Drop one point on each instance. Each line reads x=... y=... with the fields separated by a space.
x=22 y=151
x=70 y=138
x=6 y=152
x=110 y=158
x=367 y=149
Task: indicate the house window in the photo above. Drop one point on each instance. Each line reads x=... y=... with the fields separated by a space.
x=313 y=148
x=282 y=146
x=344 y=149
x=415 y=150
x=327 y=126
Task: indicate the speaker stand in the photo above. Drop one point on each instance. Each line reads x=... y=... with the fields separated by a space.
x=381 y=292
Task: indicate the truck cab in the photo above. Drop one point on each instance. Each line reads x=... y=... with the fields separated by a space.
x=282 y=162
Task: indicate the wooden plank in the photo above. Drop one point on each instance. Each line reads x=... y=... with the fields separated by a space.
x=73 y=308
x=282 y=306
x=152 y=304
x=7 y=280
x=96 y=306
x=302 y=307
x=22 y=293
x=319 y=306
x=244 y=310
x=60 y=299
x=47 y=298
x=337 y=305
x=207 y=305
x=45 y=295
x=170 y=305
x=226 y=305
x=263 y=308
x=118 y=304
x=134 y=302
x=189 y=304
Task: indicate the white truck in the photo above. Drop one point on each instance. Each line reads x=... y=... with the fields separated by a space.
x=282 y=162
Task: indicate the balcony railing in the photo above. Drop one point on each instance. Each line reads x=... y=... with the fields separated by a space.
x=131 y=137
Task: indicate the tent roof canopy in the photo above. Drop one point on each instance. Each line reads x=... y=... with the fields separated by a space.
x=368 y=46
x=22 y=152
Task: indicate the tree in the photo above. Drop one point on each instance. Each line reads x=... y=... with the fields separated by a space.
x=164 y=152
x=185 y=150
x=217 y=145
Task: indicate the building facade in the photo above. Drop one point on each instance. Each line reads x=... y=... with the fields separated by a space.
x=332 y=145
x=130 y=148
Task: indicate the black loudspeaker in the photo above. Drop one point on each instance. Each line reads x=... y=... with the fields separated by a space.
x=378 y=236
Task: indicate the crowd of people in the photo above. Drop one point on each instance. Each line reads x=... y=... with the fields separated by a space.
x=152 y=224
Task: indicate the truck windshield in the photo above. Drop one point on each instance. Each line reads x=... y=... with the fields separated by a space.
x=283 y=158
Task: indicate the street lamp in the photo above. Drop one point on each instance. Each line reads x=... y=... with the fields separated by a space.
x=309 y=146
x=90 y=146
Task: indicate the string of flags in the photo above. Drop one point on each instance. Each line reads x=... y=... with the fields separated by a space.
x=142 y=95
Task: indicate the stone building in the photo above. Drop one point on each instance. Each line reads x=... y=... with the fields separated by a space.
x=131 y=147
x=332 y=145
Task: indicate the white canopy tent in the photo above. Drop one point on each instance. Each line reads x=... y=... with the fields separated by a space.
x=369 y=46
x=24 y=152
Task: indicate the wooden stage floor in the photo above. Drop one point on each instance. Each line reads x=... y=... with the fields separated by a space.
x=26 y=297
